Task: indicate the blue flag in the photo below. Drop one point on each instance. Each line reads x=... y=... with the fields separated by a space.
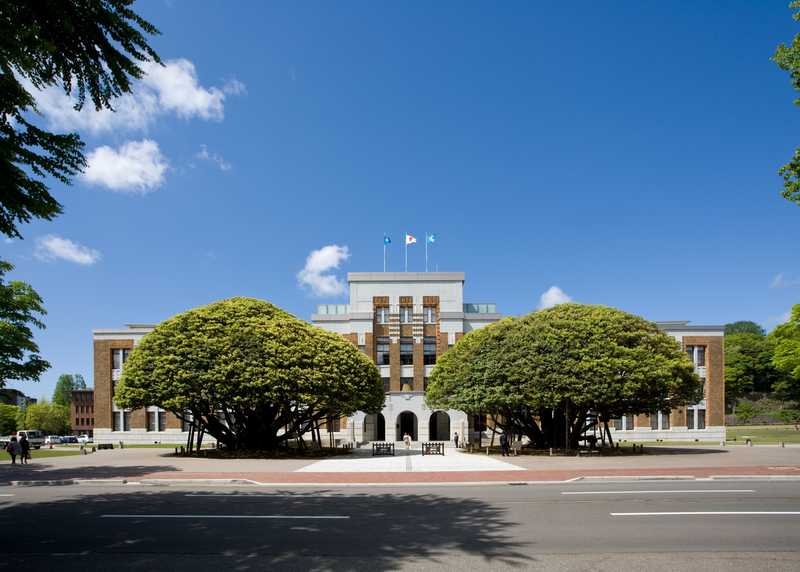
x=430 y=238
x=386 y=239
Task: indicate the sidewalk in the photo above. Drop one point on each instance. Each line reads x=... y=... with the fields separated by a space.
x=455 y=467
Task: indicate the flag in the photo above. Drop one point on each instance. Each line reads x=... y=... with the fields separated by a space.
x=410 y=239
x=386 y=240
x=430 y=238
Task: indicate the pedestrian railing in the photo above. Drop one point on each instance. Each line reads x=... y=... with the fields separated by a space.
x=433 y=449
x=382 y=449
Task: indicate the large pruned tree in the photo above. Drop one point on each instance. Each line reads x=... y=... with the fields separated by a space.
x=248 y=373
x=21 y=310
x=565 y=367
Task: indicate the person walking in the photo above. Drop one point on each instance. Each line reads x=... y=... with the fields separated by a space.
x=13 y=449
x=24 y=450
x=455 y=440
x=407 y=441
x=504 y=444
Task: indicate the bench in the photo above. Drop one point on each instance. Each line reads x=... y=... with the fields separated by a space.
x=382 y=449
x=102 y=446
x=433 y=449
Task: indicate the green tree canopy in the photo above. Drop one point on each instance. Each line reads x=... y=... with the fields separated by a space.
x=21 y=310
x=49 y=417
x=65 y=385
x=744 y=327
x=250 y=374
x=8 y=418
x=570 y=360
x=787 y=356
x=91 y=46
x=748 y=365
x=788 y=59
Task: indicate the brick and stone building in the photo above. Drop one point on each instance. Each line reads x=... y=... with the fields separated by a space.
x=404 y=321
x=81 y=412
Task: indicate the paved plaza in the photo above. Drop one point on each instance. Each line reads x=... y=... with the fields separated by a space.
x=404 y=461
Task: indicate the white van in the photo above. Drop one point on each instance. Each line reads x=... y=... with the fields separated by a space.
x=35 y=437
x=52 y=440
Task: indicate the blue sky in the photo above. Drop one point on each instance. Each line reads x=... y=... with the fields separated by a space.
x=624 y=152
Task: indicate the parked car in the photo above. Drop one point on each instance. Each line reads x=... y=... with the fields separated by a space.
x=69 y=439
x=52 y=440
x=35 y=437
x=85 y=439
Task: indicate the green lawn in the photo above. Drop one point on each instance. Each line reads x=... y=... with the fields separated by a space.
x=763 y=434
x=44 y=453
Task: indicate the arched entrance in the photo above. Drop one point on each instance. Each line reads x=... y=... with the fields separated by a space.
x=439 y=426
x=374 y=427
x=406 y=423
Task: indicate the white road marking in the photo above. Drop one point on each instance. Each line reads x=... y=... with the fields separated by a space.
x=237 y=516
x=711 y=513
x=6 y=495
x=658 y=492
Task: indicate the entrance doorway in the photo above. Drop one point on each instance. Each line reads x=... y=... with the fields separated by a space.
x=439 y=426
x=406 y=423
x=374 y=427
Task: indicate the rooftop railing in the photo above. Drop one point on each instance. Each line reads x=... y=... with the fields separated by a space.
x=332 y=309
x=480 y=308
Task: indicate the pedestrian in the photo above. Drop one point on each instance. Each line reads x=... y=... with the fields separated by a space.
x=455 y=440
x=13 y=449
x=24 y=450
x=504 y=444
x=407 y=440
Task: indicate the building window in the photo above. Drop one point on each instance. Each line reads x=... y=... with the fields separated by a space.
x=425 y=384
x=117 y=417
x=429 y=350
x=690 y=418
x=618 y=424
x=406 y=351
x=697 y=354
x=405 y=314
x=409 y=381
x=119 y=357
x=151 y=421
x=429 y=314
x=162 y=420
x=664 y=420
x=126 y=421
x=382 y=315
x=382 y=351
x=701 y=418
x=629 y=421
x=362 y=348
x=386 y=384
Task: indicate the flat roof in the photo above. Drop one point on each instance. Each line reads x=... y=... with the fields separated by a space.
x=405 y=276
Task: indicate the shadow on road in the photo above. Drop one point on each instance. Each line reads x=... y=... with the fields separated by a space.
x=44 y=471
x=382 y=532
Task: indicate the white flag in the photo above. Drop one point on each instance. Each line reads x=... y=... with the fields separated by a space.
x=410 y=239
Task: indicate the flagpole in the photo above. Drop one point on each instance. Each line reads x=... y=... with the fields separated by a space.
x=384 y=257
x=426 y=252
x=406 y=241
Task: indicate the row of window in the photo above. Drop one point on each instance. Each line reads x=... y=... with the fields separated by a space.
x=382 y=354
x=84 y=421
x=406 y=314
x=695 y=419
x=405 y=381
x=84 y=409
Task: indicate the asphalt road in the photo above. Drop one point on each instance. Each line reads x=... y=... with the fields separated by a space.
x=664 y=525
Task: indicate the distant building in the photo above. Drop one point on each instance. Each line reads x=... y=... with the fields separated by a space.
x=15 y=397
x=404 y=321
x=82 y=412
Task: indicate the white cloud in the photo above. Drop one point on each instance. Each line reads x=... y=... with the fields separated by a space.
x=316 y=273
x=137 y=166
x=215 y=158
x=171 y=88
x=552 y=297
x=783 y=281
x=51 y=247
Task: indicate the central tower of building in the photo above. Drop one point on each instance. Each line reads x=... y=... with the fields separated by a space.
x=403 y=321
